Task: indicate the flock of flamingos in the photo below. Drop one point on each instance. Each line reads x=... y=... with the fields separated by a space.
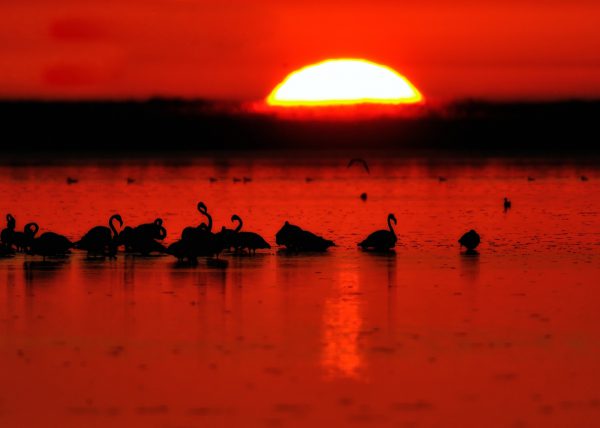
x=195 y=241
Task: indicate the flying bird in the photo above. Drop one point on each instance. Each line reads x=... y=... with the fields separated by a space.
x=359 y=161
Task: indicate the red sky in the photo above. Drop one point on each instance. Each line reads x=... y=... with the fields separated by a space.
x=240 y=49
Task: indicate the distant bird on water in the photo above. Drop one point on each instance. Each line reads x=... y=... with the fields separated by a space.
x=507 y=204
x=363 y=196
x=359 y=161
x=71 y=180
x=583 y=178
x=530 y=178
x=441 y=179
x=470 y=241
x=381 y=240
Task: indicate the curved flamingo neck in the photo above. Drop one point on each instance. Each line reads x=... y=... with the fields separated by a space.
x=390 y=224
x=239 y=226
x=112 y=226
x=31 y=226
x=205 y=213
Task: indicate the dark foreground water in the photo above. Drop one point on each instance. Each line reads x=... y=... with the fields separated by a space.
x=424 y=336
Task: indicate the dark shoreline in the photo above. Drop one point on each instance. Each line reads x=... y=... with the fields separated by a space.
x=175 y=128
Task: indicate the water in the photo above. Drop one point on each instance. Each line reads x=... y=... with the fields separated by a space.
x=421 y=337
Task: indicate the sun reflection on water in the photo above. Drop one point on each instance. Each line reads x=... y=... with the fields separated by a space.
x=342 y=324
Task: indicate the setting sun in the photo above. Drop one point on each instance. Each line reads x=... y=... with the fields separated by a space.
x=343 y=82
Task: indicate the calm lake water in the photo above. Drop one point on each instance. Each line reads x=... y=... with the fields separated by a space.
x=421 y=337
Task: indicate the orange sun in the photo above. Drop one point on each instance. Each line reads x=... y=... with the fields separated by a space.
x=343 y=82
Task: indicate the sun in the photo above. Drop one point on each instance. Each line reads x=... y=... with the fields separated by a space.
x=344 y=82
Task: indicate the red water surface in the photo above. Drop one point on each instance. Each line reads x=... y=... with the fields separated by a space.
x=424 y=336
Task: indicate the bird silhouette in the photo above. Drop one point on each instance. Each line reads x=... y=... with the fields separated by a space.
x=191 y=231
x=142 y=239
x=7 y=234
x=507 y=204
x=51 y=244
x=71 y=180
x=229 y=235
x=363 y=196
x=183 y=250
x=250 y=241
x=241 y=241
x=101 y=240
x=22 y=240
x=294 y=238
x=381 y=240
x=470 y=241
x=199 y=241
x=359 y=161
x=154 y=230
x=583 y=178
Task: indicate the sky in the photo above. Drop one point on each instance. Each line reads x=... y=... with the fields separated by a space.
x=241 y=49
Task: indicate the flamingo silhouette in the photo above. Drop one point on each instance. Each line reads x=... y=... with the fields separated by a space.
x=101 y=240
x=381 y=240
x=198 y=241
x=142 y=239
x=190 y=232
x=294 y=238
x=229 y=235
x=51 y=244
x=154 y=230
x=7 y=234
x=507 y=204
x=244 y=240
x=22 y=240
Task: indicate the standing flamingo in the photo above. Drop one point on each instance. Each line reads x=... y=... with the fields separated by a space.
x=22 y=240
x=381 y=240
x=190 y=231
x=101 y=240
x=7 y=234
x=51 y=244
x=294 y=238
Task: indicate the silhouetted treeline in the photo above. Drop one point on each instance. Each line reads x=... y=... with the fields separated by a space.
x=174 y=125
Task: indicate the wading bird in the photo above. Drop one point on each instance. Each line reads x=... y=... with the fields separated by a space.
x=51 y=244
x=294 y=238
x=470 y=241
x=22 y=240
x=101 y=240
x=381 y=240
